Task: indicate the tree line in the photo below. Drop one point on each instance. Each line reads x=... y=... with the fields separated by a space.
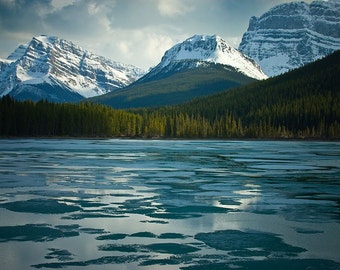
x=47 y=119
x=44 y=118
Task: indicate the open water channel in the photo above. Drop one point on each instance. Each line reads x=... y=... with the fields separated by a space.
x=168 y=204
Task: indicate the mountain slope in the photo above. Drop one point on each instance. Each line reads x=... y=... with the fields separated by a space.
x=300 y=103
x=176 y=88
x=200 y=65
x=293 y=34
x=58 y=70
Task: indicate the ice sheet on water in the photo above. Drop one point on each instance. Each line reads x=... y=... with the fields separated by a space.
x=169 y=248
x=115 y=236
x=283 y=196
x=92 y=230
x=311 y=212
x=59 y=254
x=277 y=264
x=34 y=232
x=233 y=240
x=42 y=206
x=106 y=260
x=307 y=231
x=12 y=179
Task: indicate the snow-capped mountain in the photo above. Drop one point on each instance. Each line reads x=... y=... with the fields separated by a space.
x=58 y=70
x=293 y=34
x=201 y=50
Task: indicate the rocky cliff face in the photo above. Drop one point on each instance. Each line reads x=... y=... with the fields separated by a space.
x=58 y=70
x=292 y=34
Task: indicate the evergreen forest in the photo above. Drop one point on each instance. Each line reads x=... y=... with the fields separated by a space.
x=303 y=103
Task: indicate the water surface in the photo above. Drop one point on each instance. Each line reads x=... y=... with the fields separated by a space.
x=134 y=204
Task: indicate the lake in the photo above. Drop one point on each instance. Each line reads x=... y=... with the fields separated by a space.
x=169 y=204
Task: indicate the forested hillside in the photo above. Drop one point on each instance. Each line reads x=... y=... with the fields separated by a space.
x=303 y=103
x=175 y=88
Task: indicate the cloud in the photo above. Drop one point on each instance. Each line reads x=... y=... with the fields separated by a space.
x=58 y=4
x=22 y=15
x=129 y=31
x=156 y=45
x=81 y=18
x=141 y=47
x=174 y=7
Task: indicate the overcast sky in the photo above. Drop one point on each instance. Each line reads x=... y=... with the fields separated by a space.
x=134 y=32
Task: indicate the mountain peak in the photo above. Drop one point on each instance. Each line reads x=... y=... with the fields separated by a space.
x=46 y=39
x=200 y=47
x=200 y=50
x=199 y=38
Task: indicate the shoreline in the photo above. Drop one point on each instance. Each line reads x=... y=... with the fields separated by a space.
x=163 y=138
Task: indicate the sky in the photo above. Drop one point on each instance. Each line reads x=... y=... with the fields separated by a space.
x=136 y=32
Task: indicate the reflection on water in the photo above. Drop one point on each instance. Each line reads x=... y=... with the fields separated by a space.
x=169 y=204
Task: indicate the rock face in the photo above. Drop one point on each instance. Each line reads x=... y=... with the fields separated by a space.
x=293 y=34
x=200 y=50
x=58 y=70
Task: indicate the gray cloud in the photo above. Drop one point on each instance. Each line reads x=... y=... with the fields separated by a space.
x=130 y=31
x=22 y=15
x=80 y=19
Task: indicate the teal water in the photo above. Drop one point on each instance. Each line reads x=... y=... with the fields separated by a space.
x=144 y=204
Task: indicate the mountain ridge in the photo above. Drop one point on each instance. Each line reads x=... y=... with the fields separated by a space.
x=64 y=66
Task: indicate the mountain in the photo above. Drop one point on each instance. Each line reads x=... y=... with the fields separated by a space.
x=293 y=34
x=196 y=51
x=303 y=103
x=200 y=65
x=58 y=70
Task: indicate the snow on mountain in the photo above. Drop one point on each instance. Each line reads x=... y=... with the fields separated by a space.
x=293 y=34
x=199 y=50
x=49 y=67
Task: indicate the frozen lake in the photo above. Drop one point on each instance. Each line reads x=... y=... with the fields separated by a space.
x=144 y=204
